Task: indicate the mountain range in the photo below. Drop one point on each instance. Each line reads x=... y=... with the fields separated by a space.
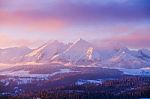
x=79 y=53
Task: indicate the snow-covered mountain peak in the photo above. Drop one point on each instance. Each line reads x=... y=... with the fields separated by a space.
x=52 y=42
x=145 y=52
x=50 y=45
x=79 y=45
x=80 y=52
x=45 y=52
x=75 y=52
x=81 y=42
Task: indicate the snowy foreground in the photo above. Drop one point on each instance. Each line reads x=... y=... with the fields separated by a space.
x=20 y=80
x=81 y=82
x=24 y=77
x=23 y=73
x=134 y=72
x=140 y=72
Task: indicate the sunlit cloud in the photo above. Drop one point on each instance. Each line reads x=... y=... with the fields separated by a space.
x=6 y=41
x=68 y=20
x=139 y=38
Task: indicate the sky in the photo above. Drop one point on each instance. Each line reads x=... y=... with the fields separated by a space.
x=32 y=22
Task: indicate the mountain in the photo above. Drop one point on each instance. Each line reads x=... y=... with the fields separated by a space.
x=45 y=52
x=80 y=52
x=130 y=59
x=10 y=55
x=144 y=53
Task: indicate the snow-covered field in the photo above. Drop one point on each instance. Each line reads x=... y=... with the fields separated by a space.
x=24 y=77
x=138 y=72
x=81 y=82
x=141 y=71
x=23 y=73
x=96 y=81
x=20 y=80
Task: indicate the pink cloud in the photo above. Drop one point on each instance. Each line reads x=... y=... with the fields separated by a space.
x=140 y=38
x=50 y=24
x=6 y=41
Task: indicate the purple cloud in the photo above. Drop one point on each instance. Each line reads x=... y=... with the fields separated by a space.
x=93 y=18
x=84 y=11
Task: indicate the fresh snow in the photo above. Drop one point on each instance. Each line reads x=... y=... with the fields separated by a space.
x=62 y=71
x=81 y=82
x=20 y=80
x=24 y=77
x=45 y=52
x=96 y=81
x=145 y=52
x=75 y=52
x=140 y=72
x=80 y=52
x=23 y=73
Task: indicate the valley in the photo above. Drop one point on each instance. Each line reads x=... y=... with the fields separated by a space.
x=22 y=80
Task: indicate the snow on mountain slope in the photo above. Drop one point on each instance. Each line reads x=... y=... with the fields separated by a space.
x=11 y=55
x=145 y=53
x=80 y=51
x=45 y=52
x=109 y=50
x=141 y=71
x=128 y=59
x=77 y=50
x=93 y=54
